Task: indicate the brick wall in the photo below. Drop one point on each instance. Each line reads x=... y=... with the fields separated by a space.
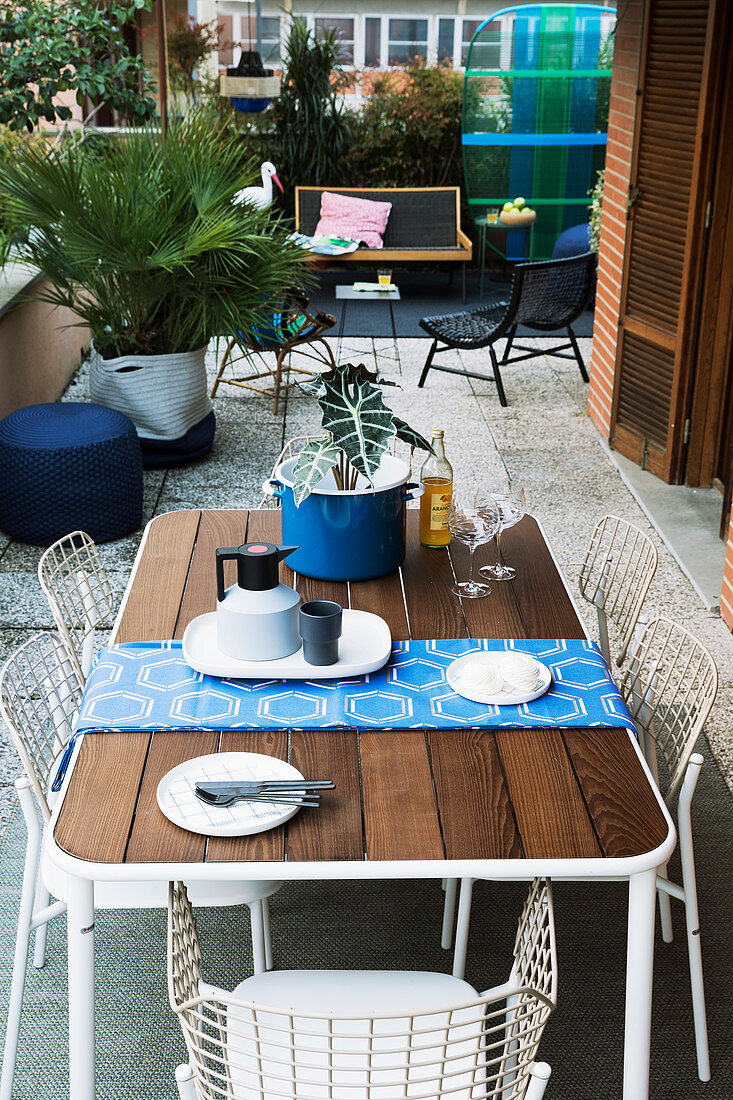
x=726 y=595
x=627 y=48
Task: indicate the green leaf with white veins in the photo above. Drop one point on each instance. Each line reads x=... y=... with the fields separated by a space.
x=358 y=420
x=410 y=436
x=314 y=462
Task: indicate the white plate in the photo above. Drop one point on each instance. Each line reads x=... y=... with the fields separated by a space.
x=494 y=659
x=364 y=646
x=177 y=798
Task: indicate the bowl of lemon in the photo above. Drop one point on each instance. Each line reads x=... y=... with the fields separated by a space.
x=517 y=214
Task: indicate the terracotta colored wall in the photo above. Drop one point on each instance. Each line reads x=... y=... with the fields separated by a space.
x=37 y=355
x=627 y=49
x=726 y=595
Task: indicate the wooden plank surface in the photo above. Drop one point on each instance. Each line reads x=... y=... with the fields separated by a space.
x=475 y=814
x=260 y=847
x=549 y=809
x=400 y=817
x=541 y=595
x=496 y=615
x=95 y=820
x=153 y=837
x=625 y=813
x=433 y=610
x=382 y=596
x=155 y=597
x=334 y=832
x=217 y=528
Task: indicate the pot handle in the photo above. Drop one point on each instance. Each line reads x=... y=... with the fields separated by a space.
x=272 y=488
x=416 y=489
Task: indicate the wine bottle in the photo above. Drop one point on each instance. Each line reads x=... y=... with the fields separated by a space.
x=437 y=479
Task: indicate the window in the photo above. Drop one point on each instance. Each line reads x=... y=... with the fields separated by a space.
x=372 y=41
x=446 y=28
x=489 y=47
x=246 y=38
x=344 y=35
x=408 y=38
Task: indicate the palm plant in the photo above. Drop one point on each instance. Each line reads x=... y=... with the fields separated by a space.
x=144 y=243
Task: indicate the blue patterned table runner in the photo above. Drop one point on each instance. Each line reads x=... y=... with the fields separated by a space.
x=148 y=685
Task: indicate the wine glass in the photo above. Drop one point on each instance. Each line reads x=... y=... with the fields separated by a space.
x=473 y=522
x=511 y=505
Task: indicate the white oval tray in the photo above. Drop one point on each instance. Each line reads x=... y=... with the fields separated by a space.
x=364 y=646
x=177 y=797
x=492 y=658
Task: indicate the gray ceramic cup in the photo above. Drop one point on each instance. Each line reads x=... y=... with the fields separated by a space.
x=320 y=629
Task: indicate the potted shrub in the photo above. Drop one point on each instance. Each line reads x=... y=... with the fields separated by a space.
x=343 y=497
x=143 y=242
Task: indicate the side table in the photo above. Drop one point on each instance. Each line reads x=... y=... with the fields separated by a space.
x=485 y=226
x=346 y=294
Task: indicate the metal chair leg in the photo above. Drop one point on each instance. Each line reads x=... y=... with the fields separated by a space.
x=278 y=380
x=428 y=364
x=449 y=912
x=509 y=342
x=578 y=356
x=497 y=377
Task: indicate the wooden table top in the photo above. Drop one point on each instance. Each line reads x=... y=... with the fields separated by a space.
x=408 y=795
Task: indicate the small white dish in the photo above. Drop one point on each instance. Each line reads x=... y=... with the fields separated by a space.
x=177 y=797
x=493 y=661
x=364 y=646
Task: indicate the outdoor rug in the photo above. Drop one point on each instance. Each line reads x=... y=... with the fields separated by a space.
x=422 y=294
x=395 y=925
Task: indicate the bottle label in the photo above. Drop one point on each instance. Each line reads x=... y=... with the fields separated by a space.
x=439 y=504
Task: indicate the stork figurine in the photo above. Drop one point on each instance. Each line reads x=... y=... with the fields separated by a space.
x=261 y=197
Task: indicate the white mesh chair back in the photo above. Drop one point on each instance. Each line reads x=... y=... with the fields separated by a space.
x=669 y=686
x=619 y=565
x=78 y=592
x=483 y=1048
x=40 y=692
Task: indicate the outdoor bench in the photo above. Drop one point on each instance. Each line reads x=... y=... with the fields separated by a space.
x=424 y=224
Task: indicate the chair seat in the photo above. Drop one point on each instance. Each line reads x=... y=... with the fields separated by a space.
x=347 y=992
x=472 y=328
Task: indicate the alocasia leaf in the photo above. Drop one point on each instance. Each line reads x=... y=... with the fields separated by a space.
x=314 y=462
x=409 y=435
x=312 y=386
x=357 y=418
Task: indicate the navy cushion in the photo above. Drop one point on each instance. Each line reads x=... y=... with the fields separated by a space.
x=572 y=242
x=196 y=443
x=67 y=466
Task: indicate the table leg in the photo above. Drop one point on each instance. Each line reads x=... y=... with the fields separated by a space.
x=394 y=336
x=341 y=329
x=81 y=988
x=639 y=970
x=482 y=248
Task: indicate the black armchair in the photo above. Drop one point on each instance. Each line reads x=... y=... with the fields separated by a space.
x=545 y=296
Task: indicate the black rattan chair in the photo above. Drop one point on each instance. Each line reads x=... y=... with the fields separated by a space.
x=545 y=296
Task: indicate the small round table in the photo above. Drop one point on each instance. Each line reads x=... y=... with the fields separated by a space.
x=485 y=226
x=346 y=294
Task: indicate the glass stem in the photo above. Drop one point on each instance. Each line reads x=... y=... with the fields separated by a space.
x=498 y=550
x=471 y=552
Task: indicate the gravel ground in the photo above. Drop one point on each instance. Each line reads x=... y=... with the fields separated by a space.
x=544 y=439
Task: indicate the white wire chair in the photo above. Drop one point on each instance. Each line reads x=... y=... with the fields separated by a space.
x=669 y=686
x=364 y=1035
x=40 y=692
x=619 y=566
x=78 y=591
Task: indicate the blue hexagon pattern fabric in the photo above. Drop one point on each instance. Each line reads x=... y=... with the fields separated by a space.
x=148 y=685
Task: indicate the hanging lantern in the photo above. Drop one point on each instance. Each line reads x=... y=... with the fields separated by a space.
x=249 y=85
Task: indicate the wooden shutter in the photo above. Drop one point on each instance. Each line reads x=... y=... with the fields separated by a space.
x=664 y=236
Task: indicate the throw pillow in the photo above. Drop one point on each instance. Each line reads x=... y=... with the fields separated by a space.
x=359 y=219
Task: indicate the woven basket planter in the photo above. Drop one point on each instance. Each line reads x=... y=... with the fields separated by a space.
x=164 y=395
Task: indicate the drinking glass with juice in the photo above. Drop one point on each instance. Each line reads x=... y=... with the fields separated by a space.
x=437 y=478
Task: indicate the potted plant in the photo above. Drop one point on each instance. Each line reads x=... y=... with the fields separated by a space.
x=343 y=497
x=143 y=242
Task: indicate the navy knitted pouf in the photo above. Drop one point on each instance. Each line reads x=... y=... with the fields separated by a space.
x=69 y=466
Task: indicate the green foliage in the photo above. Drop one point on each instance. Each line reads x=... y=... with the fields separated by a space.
x=52 y=46
x=310 y=128
x=146 y=245
x=408 y=133
x=190 y=44
x=359 y=425
x=596 y=194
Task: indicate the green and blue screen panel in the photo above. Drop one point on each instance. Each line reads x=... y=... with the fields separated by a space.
x=535 y=115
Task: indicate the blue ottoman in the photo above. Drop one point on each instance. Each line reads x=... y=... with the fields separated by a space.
x=572 y=242
x=69 y=466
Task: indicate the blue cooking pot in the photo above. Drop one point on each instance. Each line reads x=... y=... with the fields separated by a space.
x=346 y=535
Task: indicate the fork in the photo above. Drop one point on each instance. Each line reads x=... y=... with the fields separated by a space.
x=230 y=799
